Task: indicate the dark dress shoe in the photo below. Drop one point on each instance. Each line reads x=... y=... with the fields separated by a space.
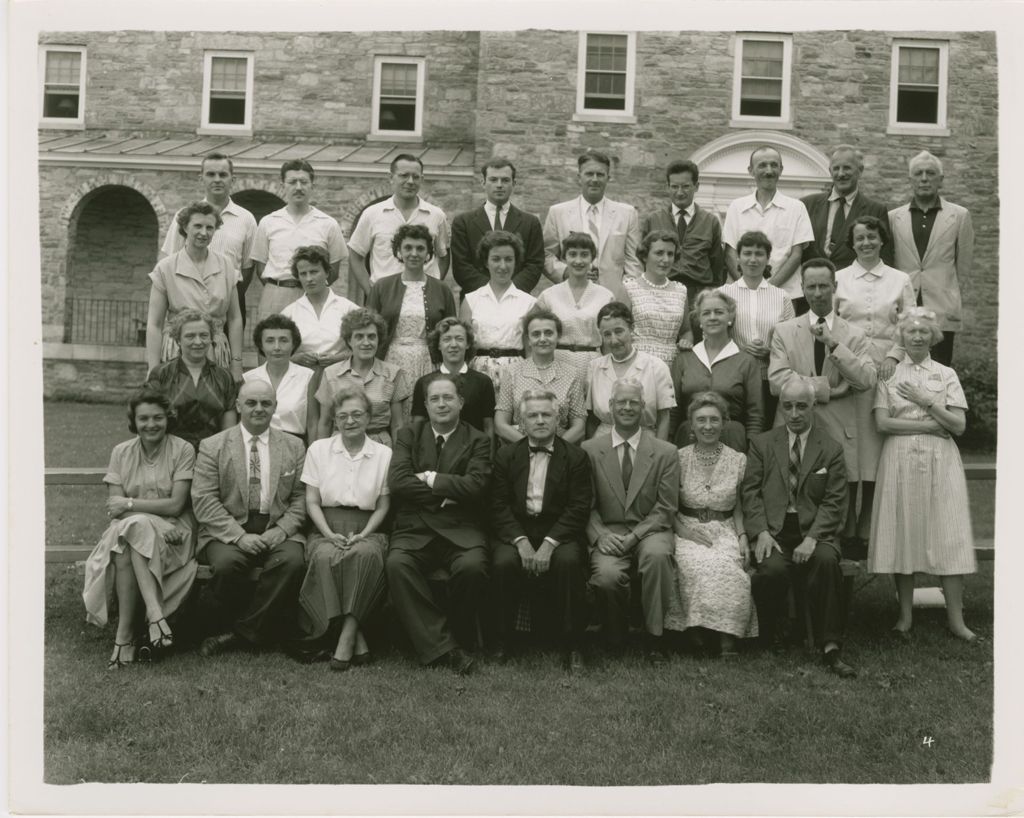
x=361 y=659
x=340 y=665
x=502 y=653
x=835 y=664
x=573 y=661
x=220 y=643
x=458 y=660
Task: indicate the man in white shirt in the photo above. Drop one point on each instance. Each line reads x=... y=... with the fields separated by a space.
x=234 y=238
x=282 y=232
x=370 y=243
x=782 y=218
x=249 y=501
x=614 y=226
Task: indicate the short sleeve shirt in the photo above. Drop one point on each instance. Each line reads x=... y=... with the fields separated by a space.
x=377 y=226
x=355 y=481
x=142 y=480
x=651 y=372
x=383 y=384
x=561 y=378
x=278 y=236
x=320 y=333
x=208 y=287
x=498 y=322
x=233 y=238
x=290 y=415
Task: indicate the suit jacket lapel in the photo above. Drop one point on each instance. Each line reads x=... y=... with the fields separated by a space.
x=276 y=449
x=820 y=217
x=236 y=451
x=512 y=219
x=944 y=220
x=803 y=343
x=452 y=450
x=781 y=448
x=425 y=458
x=612 y=471
x=521 y=474
x=611 y=216
x=484 y=226
x=808 y=456
x=901 y=228
x=644 y=461
x=555 y=476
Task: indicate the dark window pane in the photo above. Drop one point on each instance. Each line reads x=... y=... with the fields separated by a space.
x=760 y=107
x=58 y=105
x=604 y=103
x=917 y=105
x=396 y=115
x=227 y=111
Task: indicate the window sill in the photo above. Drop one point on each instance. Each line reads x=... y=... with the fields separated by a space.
x=762 y=124
x=222 y=130
x=587 y=116
x=397 y=136
x=61 y=125
x=917 y=130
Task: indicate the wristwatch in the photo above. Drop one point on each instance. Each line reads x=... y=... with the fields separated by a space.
x=131 y=503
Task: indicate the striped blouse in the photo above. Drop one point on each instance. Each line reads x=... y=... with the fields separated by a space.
x=757 y=313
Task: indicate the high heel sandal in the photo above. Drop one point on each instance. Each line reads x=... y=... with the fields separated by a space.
x=164 y=638
x=117 y=661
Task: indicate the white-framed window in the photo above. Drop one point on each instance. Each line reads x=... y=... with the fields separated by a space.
x=62 y=89
x=227 y=92
x=606 y=75
x=762 y=76
x=918 y=85
x=398 y=96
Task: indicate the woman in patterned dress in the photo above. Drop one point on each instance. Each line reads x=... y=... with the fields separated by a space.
x=496 y=310
x=871 y=296
x=386 y=385
x=658 y=304
x=195 y=278
x=411 y=303
x=711 y=558
x=576 y=302
x=146 y=557
x=921 y=522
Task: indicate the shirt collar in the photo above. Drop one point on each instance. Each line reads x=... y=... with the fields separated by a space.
x=828 y=319
x=346 y=366
x=444 y=368
x=550 y=445
x=247 y=436
x=338 y=447
x=512 y=292
x=936 y=206
x=728 y=351
x=585 y=205
x=778 y=200
x=389 y=204
x=490 y=208
x=803 y=440
x=833 y=196
x=634 y=441
x=436 y=433
x=928 y=365
x=182 y=367
x=688 y=211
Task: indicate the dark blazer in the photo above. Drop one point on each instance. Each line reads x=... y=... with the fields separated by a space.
x=386 y=298
x=702 y=259
x=567 y=495
x=463 y=476
x=467 y=230
x=817 y=211
x=821 y=491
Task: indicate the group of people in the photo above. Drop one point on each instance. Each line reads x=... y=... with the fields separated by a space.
x=516 y=447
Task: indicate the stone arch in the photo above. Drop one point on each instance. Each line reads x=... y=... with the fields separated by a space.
x=350 y=215
x=723 y=167
x=257 y=201
x=89 y=186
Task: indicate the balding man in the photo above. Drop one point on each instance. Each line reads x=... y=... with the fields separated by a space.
x=249 y=500
x=794 y=504
x=636 y=495
x=831 y=213
x=934 y=244
x=782 y=218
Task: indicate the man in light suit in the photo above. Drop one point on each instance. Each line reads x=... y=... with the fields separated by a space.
x=614 y=226
x=794 y=502
x=833 y=211
x=834 y=357
x=439 y=477
x=636 y=495
x=249 y=500
x=934 y=244
x=496 y=213
x=539 y=509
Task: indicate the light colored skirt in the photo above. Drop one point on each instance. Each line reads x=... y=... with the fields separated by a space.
x=341 y=583
x=413 y=358
x=172 y=566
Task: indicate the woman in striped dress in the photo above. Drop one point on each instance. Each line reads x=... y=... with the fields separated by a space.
x=921 y=520
x=658 y=304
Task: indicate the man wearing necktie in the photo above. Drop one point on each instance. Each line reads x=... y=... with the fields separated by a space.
x=439 y=477
x=539 y=507
x=250 y=503
x=794 y=503
x=636 y=495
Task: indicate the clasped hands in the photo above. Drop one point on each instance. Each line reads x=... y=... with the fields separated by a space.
x=615 y=545
x=256 y=544
x=766 y=544
x=535 y=561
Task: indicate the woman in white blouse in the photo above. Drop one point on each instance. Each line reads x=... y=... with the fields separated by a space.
x=871 y=296
x=496 y=310
x=347 y=501
x=276 y=337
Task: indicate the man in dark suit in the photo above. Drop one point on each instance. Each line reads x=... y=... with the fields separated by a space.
x=249 y=500
x=439 y=478
x=794 y=504
x=496 y=213
x=539 y=509
x=636 y=495
x=832 y=213
x=701 y=260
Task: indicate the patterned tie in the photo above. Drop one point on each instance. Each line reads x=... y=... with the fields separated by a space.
x=835 y=238
x=794 y=470
x=497 y=218
x=592 y=220
x=819 y=350
x=681 y=226
x=627 y=467
x=254 y=477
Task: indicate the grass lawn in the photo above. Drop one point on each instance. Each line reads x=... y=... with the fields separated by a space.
x=759 y=718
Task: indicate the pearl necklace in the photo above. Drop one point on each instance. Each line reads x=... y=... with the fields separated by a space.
x=708 y=458
x=652 y=284
x=628 y=358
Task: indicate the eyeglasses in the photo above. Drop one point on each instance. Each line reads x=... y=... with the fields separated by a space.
x=344 y=417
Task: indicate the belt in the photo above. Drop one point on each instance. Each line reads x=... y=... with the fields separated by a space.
x=705 y=514
x=576 y=348
x=500 y=353
x=288 y=283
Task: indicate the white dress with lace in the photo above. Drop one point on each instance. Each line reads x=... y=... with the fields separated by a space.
x=408 y=349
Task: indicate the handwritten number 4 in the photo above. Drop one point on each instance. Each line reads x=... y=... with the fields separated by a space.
x=928 y=741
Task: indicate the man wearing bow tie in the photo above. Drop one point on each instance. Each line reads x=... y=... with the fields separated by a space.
x=439 y=477
x=540 y=504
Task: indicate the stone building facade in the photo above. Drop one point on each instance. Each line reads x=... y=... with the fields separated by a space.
x=116 y=165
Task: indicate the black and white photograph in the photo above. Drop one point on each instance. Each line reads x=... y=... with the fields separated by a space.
x=596 y=402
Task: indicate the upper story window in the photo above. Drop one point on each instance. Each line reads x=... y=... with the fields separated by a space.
x=761 y=79
x=398 y=96
x=227 y=91
x=606 y=75
x=62 y=68
x=918 y=84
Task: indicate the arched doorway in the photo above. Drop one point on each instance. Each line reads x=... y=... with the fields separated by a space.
x=258 y=202
x=723 y=166
x=113 y=236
